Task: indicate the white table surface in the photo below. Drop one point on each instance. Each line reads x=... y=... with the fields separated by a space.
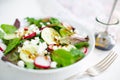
x=83 y=11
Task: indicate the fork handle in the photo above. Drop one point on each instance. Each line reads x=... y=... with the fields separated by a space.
x=78 y=76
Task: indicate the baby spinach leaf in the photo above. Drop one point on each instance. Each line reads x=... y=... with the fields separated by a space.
x=30 y=20
x=81 y=44
x=54 y=21
x=12 y=44
x=56 y=24
x=57 y=28
x=63 y=57
x=77 y=54
x=29 y=65
x=8 y=29
x=5 y=41
x=34 y=21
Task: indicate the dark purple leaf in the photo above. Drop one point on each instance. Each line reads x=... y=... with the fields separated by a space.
x=17 y=23
x=4 y=58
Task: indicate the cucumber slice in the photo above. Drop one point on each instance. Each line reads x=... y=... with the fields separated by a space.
x=50 y=36
x=25 y=57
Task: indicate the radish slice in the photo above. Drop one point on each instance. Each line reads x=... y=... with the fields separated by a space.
x=1 y=49
x=50 y=47
x=26 y=29
x=30 y=35
x=85 y=50
x=42 y=28
x=42 y=62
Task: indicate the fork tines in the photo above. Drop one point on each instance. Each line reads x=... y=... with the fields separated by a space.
x=107 y=61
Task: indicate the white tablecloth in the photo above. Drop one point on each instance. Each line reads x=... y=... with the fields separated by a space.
x=83 y=11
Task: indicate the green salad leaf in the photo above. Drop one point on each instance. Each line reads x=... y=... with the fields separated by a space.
x=1 y=34
x=54 y=21
x=34 y=21
x=29 y=65
x=8 y=29
x=65 y=58
x=62 y=57
x=12 y=44
x=64 y=32
x=6 y=42
x=81 y=44
x=13 y=56
x=77 y=54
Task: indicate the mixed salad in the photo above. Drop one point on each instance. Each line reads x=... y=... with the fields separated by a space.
x=44 y=43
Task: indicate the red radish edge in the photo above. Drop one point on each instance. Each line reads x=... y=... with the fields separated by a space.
x=30 y=35
x=25 y=29
x=50 y=47
x=42 y=28
x=41 y=65
x=1 y=49
x=85 y=50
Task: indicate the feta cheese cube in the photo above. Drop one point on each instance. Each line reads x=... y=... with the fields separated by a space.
x=53 y=65
x=21 y=63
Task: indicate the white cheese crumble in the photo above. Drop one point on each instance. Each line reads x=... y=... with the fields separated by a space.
x=21 y=63
x=55 y=47
x=42 y=25
x=48 y=23
x=42 y=47
x=53 y=64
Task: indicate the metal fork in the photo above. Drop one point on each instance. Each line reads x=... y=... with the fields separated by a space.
x=98 y=68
